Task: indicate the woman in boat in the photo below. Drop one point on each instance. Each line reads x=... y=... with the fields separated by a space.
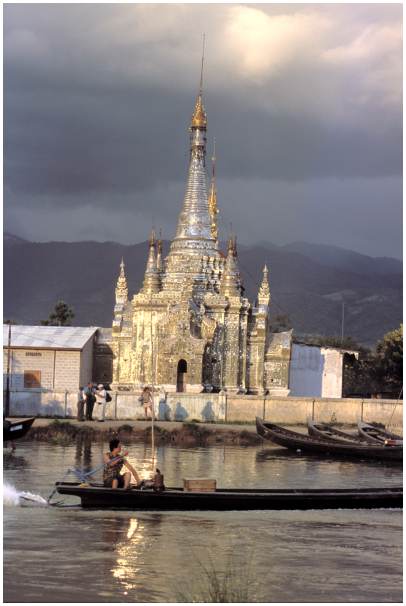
x=113 y=464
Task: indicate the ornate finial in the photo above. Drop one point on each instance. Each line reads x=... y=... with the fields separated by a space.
x=152 y=282
x=235 y=245
x=230 y=280
x=159 y=252
x=199 y=118
x=264 y=293
x=121 y=288
x=213 y=210
x=201 y=70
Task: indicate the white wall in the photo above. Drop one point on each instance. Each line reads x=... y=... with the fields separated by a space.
x=60 y=369
x=285 y=411
x=86 y=364
x=333 y=373
x=67 y=369
x=22 y=360
x=306 y=371
x=315 y=372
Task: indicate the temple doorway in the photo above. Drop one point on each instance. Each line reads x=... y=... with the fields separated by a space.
x=180 y=379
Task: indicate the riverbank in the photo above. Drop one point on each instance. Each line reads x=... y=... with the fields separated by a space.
x=64 y=432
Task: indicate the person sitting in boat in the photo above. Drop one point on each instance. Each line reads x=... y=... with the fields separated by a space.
x=113 y=463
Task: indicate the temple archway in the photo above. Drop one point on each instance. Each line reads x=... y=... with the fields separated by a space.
x=180 y=377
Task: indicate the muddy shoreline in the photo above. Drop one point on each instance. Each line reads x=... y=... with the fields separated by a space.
x=182 y=434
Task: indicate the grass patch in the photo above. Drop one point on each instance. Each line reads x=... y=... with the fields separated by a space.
x=232 y=582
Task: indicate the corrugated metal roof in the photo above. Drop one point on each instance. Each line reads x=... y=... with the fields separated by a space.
x=48 y=337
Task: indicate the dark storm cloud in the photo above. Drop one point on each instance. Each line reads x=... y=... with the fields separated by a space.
x=98 y=98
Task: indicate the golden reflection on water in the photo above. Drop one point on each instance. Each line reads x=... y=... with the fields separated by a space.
x=128 y=555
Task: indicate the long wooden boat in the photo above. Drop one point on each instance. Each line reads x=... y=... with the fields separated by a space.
x=321 y=446
x=328 y=432
x=376 y=435
x=176 y=499
x=17 y=429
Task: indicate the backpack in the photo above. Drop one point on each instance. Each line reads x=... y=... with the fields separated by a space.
x=108 y=397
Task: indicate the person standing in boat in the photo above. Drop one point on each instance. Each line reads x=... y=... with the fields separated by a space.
x=113 y=464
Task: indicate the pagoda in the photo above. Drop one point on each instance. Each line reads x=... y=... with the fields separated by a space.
x=190 y=327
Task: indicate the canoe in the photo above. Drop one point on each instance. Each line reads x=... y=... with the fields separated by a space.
x=322 y=446
x=376 y=435
x=328 y=432
x=17 y=429
x=231 y=499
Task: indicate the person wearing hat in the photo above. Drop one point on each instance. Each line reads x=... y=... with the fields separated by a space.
x=101 y=395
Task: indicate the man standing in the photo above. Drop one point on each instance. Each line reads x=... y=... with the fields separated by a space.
x=89 y=397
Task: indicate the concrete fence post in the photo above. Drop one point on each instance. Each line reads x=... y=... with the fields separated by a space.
x=264 y=408
x=313 y=410
x=115 y=405
x=362 y=410
x=66 y=403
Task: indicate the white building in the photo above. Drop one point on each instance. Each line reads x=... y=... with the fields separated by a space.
x=48 y=357
x=316 y=371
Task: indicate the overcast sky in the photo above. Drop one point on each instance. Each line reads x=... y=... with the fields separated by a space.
x=304 y=102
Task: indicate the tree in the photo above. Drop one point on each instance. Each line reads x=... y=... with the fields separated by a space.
x=388 y=366
x=62 y=315
x=376 y=372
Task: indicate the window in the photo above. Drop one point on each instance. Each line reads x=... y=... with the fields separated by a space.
x=32 y=378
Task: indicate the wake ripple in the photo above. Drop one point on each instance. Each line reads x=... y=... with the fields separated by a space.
x=16 y=498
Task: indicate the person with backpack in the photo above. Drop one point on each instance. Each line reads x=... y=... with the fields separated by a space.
x=102 y=398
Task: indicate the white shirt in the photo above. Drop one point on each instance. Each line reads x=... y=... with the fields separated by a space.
x=101 y=396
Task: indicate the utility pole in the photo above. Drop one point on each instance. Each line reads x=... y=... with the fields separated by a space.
x=7 y=404
x=342 y=323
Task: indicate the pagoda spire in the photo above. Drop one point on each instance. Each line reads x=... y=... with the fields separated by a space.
x=264 y=293
x=230 y=281
x=194 y=223
x=213 y=210
x=152 y=280
x=199 y=117
x=121 y=287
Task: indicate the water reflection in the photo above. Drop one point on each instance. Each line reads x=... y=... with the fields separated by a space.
x=12 y=461
x=131 y=539
x=83 y=453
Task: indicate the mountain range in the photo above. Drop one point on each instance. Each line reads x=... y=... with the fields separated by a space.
x=309 y=283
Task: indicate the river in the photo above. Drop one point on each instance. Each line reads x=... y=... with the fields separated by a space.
x=66 y=554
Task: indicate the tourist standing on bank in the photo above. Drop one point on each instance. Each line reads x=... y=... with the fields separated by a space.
x=101 y=400
x=147 y=400
x=90 y=399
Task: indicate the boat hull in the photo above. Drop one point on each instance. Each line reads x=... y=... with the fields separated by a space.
x=327 y=432
x=175 y=499
x=321 y=446
x=17 y=429
x=376 y=435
